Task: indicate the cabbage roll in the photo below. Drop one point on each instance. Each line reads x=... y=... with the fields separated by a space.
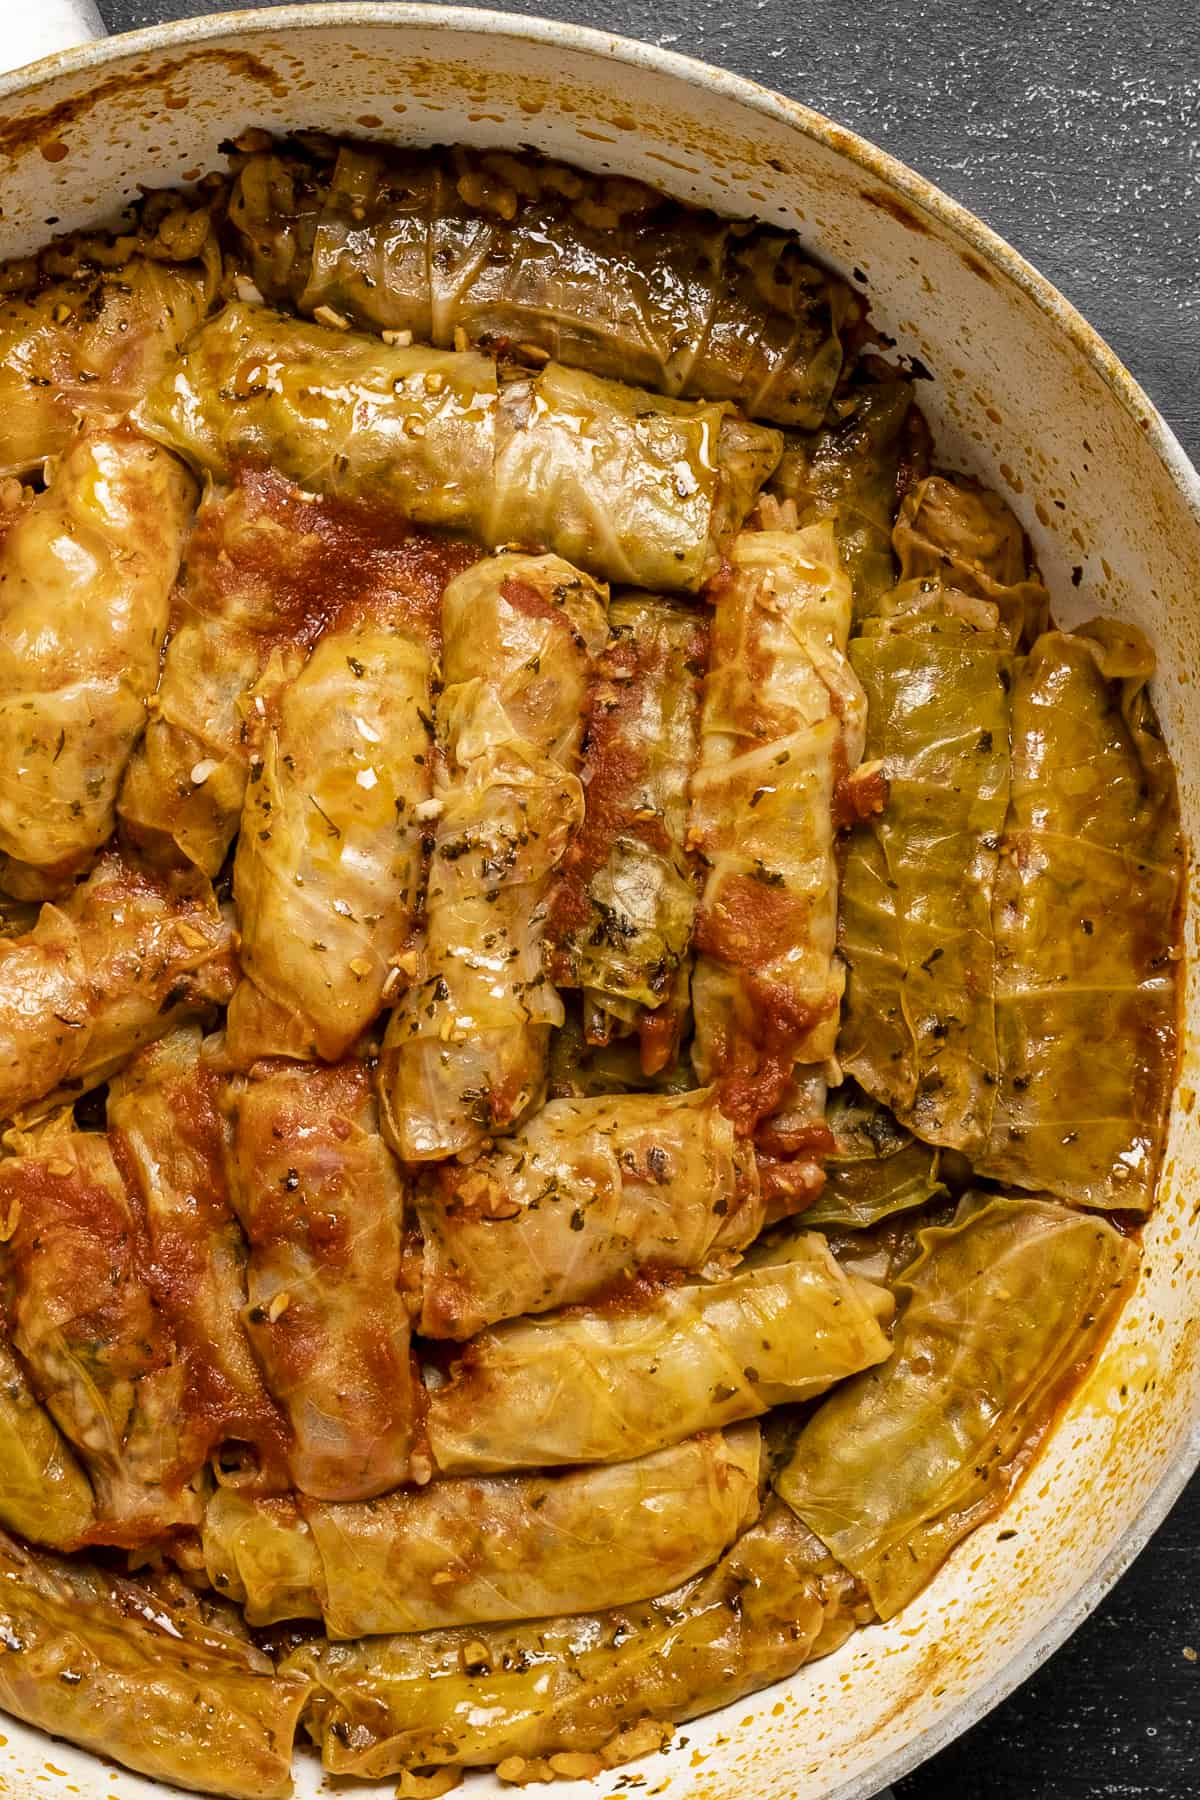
x=44 y=1494
x=128 y=957
x=268 y=567
x=144 y=1673
x=587 y=1191
x=875 y=1167
x=937 y=664
x=851 y=472
x=956 y=535
x=598 y=271
x=1087 y=918
x=587 y=1692
x=85 y=578
x=321 y=1203
x=88 y=347
x=501 y=1547
x=169 y=1135
x=621 y=924
x=1004 y=1309
x=630 y=486
x=465 y=1052
x=329 y=864
x=781 y=731
x=83 y=1320
x=919 y=1030
x=655 y=1364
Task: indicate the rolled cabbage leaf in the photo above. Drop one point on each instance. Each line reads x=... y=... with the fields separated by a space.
x=127 y=958
x=1087 y=920
x=587 y=1191
x=329 y=866
x=851 y=472
x=655 y=1365
x=781 y=730
x=465 y=1051
x=876 y=1167
x=86 y=569
x=621 y=924
x=338 y=413
x=919 y=1027
x=89 y=346
x=269 y=567
x=577 y=1695
x=596 y=271
x=960 y=536
x=499 y=1547
x=628 y=485
x=146 y=1674
x=83 y=1320
x=170 y=1137
x=937 y=660
x=1004 y=1309
x=321 y=1203
x=44 y=1494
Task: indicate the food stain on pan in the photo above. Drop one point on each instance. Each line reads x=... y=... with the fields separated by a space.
x=972 y=262
x=895 y=208
x=1119 y=1379
x=45 y=129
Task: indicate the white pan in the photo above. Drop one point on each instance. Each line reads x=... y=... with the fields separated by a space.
x=1027 y=397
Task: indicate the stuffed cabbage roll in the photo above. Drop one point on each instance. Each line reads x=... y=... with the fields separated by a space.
x=328 y=873
x=918 y=1030
x=268 y=567
x=144 y=1673
x=621 y=924
x=128 y=957
x=170 y=1137
x=587 y=1692
x=655 y=1364
x=321 y=1203
x=628 y=485
x=632 y=487
x=587 y=1191
x=501 y=1547
x=1003 y=1310
x=465 y=1052
x=852 y=471
x=86 y=569
x=88 y=347
x=1087 y=919
x=44 y=1494
x=597 y=271
x=956 y=535
x=937 y=664
x=781 y=731
x=83 y=1320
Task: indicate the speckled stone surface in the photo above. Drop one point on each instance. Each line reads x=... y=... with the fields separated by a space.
x=1073 y=128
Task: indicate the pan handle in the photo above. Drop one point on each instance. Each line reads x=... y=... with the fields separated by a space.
x=44 y=26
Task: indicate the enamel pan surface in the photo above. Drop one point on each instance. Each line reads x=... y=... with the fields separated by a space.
x=1023 y=394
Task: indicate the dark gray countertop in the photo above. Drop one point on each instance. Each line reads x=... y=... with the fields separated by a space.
x=1072 y=127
